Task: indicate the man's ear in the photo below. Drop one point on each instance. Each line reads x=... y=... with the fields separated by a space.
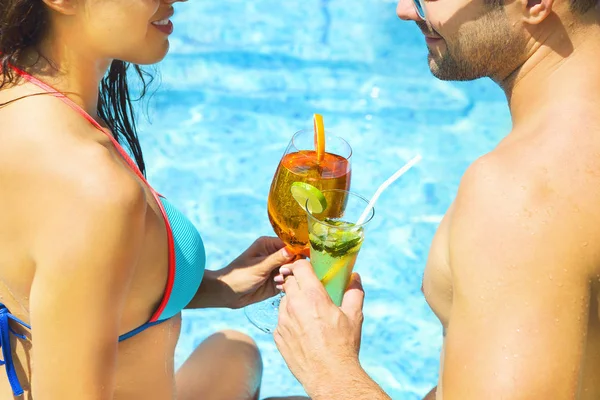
x=65 y=7
x=535 y=11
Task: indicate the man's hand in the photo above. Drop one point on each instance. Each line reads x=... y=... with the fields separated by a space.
x=319 y=341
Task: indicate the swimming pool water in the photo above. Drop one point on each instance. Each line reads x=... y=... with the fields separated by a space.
x=242 y=77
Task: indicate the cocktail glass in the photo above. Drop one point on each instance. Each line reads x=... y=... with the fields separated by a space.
x=335 y=239
x=300 y=163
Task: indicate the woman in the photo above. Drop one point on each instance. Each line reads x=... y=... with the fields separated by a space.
x=91 y=258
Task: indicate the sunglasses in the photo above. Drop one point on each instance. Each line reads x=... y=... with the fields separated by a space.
x=420 y=8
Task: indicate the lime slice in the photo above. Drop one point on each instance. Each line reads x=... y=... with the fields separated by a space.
x=302 y=192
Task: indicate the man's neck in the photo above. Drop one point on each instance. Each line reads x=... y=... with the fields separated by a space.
x=563 y=66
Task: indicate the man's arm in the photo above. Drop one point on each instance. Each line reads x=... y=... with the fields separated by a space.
x=320 y=341
x=351 y=382
x=520 y=264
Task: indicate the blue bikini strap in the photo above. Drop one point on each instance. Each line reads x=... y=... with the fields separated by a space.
x=8 y=363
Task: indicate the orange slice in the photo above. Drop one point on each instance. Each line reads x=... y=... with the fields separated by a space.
x=319 y=136
x=335 y=269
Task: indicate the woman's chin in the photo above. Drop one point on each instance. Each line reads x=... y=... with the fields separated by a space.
x=149 y=57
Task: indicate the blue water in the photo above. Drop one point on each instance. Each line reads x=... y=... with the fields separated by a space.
x=242 y=77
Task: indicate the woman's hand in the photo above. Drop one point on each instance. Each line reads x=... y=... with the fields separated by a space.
x=250 y=276
x=248 y=279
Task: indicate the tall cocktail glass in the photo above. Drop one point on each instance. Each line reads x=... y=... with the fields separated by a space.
x=335 y=239
x=300 y=163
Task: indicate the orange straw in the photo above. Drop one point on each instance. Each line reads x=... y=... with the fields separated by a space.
x=319 y=136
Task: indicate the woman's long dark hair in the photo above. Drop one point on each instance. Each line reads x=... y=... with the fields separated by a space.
x=22 y=26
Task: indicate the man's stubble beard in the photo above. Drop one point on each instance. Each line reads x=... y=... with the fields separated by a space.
x=485 y=47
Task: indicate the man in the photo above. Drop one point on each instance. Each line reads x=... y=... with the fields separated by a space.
x=514 y=269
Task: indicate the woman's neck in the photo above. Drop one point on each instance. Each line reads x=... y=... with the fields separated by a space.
x=72 y=72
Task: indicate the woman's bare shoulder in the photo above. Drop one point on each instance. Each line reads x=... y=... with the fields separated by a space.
x=53 y=166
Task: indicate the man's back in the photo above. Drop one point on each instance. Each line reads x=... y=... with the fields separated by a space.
x=513 y=272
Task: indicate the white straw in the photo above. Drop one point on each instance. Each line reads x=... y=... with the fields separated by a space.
x=385 y=185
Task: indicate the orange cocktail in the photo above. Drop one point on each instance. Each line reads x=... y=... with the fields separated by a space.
x=332 y=172
x=317 y=159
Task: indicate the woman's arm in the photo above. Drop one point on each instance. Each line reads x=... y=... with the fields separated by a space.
x=86 y=242
x=214 y=291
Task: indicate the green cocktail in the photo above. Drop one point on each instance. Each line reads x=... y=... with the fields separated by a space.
x=334 y=241
x=333 y=251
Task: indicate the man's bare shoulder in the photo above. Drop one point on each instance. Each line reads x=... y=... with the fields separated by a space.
x=556 y=161
x=531 y=194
